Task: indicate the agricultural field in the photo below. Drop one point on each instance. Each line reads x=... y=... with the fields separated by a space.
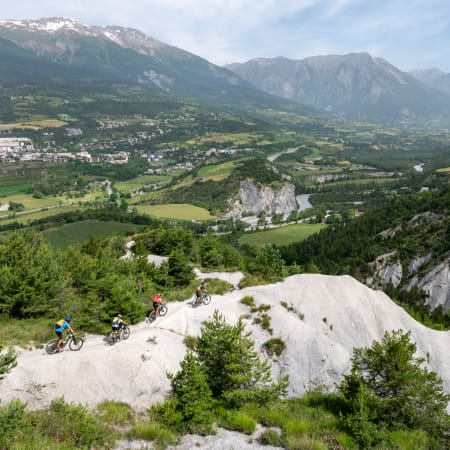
x=175 y=211
x=77 y=233
x=140 y=182
x=33 y=125
x=28 y=217
x=217 y=172
x=12 y=189
x=282 y=235
x=31 y=203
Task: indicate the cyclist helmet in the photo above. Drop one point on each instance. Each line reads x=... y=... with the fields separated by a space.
x=119 y=315
x=68 y=318
x=202 y=282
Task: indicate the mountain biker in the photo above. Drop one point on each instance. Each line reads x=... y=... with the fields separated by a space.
x=116 y=323
x=200 y=290
x=156 y=303
x=63 y=324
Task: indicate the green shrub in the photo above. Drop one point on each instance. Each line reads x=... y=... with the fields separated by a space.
x=274 y=346
x=272 y=437
x=409 y=440
x=190 y=342
x=114 y=413
x=73 y=424
x=12 y=423
x=253 y=280
x=216 y=286
x=168 y=414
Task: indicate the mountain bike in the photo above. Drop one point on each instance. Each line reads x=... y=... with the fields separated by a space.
x=162 y=311
x=114 y=336
x=205 y=299
x=75 y=344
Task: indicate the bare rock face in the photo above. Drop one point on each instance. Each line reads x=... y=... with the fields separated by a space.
x=436 y=283
x=385 y=269
x=320 y=318
x=254 y=198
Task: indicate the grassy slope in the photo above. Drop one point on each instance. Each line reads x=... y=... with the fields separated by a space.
x=282 y=235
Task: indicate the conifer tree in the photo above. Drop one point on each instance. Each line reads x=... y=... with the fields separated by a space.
x=192 y=394
x=397 y=390
x=234 y=371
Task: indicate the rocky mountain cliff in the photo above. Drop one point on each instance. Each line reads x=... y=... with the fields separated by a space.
x=254 y=198
x=355 y=85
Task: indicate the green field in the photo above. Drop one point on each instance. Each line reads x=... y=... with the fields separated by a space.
x=175 y=211
x=26 y=218
x=217 y=172
x=12 y=189
x=78 y=232
x=140 y=182
x=282 y=235
x=29 y=202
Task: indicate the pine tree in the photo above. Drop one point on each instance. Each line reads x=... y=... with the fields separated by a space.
x=397 y=390
x=192 y=394
x=233 y=369
x=7 y=361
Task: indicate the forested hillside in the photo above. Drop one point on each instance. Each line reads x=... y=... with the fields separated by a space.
x=412 y=226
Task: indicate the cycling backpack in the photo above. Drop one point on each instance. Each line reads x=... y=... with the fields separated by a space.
x=60 y=323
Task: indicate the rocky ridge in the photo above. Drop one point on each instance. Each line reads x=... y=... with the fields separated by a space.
x=319 y=318
x=254 y=198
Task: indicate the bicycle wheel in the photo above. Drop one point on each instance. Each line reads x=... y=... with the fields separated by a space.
x=194 y=302
x=206 y=299
x=163 y=311
x=112 y=338
x=125 y=333
x=76 y=343
x=151 y=317
x=50 y=347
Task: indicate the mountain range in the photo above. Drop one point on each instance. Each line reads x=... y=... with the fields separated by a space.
x=357 y=86
x=63 y=51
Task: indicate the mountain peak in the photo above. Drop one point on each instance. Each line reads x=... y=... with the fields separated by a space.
x=50 y=25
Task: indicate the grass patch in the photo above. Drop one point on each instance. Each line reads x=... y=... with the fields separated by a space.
x=217 y=172
x=217 y=286
x=248 y=300
x=78 y=232
x=26 y=332
x=13 y=189
x=160 y=435
x=114 y=413
x=272 y=437
x=236 y=420
x=140 y=182
x=181 y=211
x=292 y=308
x=281 y=236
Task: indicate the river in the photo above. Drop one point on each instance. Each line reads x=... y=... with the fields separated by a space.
x=303 y=201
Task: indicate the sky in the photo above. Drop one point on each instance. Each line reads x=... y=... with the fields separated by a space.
x=410 y=34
